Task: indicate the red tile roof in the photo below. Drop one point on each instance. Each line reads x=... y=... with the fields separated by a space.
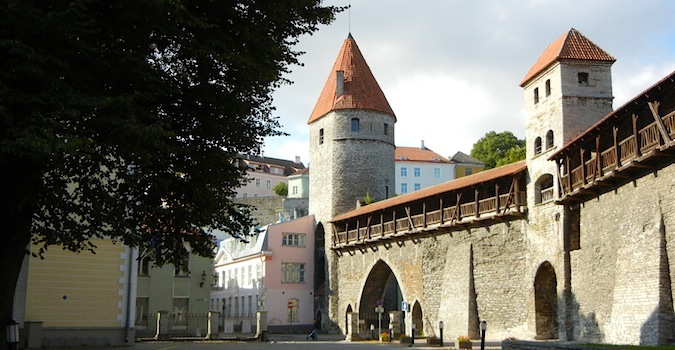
x=417 y=154
x=571 y=45
x=361 y=90
x=462 y=182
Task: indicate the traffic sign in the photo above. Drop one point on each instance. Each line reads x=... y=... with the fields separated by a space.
x=404 y=306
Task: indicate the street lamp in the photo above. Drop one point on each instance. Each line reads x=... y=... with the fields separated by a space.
x=483 y=327
x=440 y=328
x=12 y=334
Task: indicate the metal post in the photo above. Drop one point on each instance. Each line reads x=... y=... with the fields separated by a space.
x=372 y=329
x=440 y=328
x=391 y=331
x=412 y=336
x=483 y=327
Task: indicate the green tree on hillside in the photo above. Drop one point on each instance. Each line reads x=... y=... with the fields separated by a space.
x=496 y=149
x=121 y=119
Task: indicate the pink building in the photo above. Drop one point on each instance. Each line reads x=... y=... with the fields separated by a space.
x=273 y=271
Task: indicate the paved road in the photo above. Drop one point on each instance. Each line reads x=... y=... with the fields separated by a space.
x=281 y=342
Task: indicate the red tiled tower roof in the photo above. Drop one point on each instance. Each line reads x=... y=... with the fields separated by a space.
x=361 y=90
x=571 y=45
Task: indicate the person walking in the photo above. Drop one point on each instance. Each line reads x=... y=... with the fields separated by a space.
x=314 y=334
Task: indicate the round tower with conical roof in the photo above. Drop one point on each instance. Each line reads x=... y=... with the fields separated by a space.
x=351 y=138
x=352 y=156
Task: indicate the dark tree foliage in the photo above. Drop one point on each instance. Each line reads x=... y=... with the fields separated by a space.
x=121 y=119
x=497 y=149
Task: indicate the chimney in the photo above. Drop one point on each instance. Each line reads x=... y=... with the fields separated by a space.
x=422 y=146
x=297 y=159
x=339 y=83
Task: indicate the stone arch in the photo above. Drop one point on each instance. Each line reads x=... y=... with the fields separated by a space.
x=381 y=286
x=417 y=318
x=543 y=189
x=546 y=302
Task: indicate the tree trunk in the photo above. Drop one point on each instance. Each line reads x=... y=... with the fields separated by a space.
x=15 y=232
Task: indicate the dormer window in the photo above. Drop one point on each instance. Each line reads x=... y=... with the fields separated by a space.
x=355 y=124
x=536 y=95
x=583 y=78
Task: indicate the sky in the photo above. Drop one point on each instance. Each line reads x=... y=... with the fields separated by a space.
x=451 y=69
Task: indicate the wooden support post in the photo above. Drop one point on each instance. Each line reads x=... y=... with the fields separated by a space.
x=583 y=165
x=424 y=215
x=615 y=131
x=410 y=221
x=638 y=152
x=569 y=174
x=598 y=166
x=497 y=198
x=441 y=206
x=654 y=107
x=476 y=204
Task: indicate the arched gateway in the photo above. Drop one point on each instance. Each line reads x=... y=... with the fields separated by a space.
x=380 y=289
x=546 y=302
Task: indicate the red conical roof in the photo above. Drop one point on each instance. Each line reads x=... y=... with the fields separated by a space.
x=571 y=45
x=361 y=90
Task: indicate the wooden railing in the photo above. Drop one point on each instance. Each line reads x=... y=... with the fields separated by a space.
x=448 y=216
x=649 y=139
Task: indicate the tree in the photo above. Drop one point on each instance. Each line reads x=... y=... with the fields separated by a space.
x=495 y=149
x=123 y=118
x=281 y=189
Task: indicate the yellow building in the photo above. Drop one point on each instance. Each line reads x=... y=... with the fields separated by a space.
x=71 y=299
x=466 y=165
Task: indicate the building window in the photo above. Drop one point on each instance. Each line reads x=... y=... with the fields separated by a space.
x=257 y=182
x=417 y=187
x=544 y=189
x=404 y=188
x=269 y=184
x=417 y=172
x=548 y=87
x=292 y=273
x=404 y=171
x=293 y=311
x=180 y=311
x=293 y=240
x=583 y=78
x=549 y=139
x=468 y=171
x=183 y=270
x=141 y=310
x=537 y=145
x=294 y=190
x=437 y=173
x=355 y=124
x=321 y=136
x=144 y=267
x=386 y=129
x=536 y=95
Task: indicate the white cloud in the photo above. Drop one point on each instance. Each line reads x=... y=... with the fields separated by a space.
x=451 y=69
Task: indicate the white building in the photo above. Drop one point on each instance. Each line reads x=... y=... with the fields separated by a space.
x=420 y=167
x=265 y=173
x=270 y=271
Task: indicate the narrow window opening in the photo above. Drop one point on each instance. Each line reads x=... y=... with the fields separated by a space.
x=355 y=124
x=537 y=145
x=321 y=136
x=386 y=129
x=536 y=95
x=583 y=78
x=549 y=139
x=548 y=87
